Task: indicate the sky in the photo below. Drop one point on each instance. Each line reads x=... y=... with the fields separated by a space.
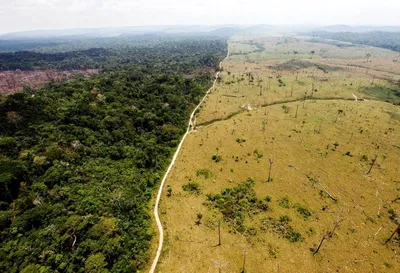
x=20 y=15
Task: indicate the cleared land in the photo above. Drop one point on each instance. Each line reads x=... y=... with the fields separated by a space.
x=15 y=81
x=334 y=164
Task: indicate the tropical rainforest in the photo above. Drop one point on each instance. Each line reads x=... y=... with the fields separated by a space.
x=80 y=159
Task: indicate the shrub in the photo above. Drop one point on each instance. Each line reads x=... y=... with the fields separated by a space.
x=303 y=211
x=273 y=251
x=258 y=154
x=198 y=218
x=284 y=203
x=235 y=203
x=216 y=158
x=192 y=187
x=285 y=218
x=204 y=173
x=281 y=227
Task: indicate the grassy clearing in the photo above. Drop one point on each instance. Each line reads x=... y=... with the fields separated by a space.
x=333 y=164
x=300 y=48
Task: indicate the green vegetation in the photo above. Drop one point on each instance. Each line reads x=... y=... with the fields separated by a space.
x=268 y=198
x=385 y=93
x=173 y=56
x=192 y=187
x=235 y=203
x=79 y=160
x=258 y=154
x=294 y=65
x=281 y=227
x=304 y=212
x=389 y=40
x=284 y=202
x=204 y=173
x=216 y=158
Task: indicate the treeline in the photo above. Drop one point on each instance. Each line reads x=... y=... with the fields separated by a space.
x=388 y=40
x=180 y=56
x=59 y=44
x=79 y=160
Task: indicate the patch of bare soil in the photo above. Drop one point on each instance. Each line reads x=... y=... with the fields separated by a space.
x=14 y=81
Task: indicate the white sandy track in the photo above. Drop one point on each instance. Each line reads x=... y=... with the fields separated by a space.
x=188 y=131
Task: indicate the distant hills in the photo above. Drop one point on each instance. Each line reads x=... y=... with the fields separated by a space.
x=211 y=30
x=359 y=29
x=191 y=30
x=119 y=32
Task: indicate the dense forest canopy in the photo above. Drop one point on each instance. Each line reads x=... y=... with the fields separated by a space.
x=78 y=43
x=183 y=56
x=79 y=159
x=388 y=40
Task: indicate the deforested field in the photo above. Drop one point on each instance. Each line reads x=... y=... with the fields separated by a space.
x=293 y=164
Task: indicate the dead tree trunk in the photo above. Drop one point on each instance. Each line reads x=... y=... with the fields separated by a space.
x=219 y=233
x=329 y=234
x=270 y=167
x=73 y=237
x=320 y=243
x=244 y=261
x=397 y=230
x=335 y=227
x=350 y=138
x=372 y=164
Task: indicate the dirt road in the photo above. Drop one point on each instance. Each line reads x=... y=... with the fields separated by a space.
x=188 y=131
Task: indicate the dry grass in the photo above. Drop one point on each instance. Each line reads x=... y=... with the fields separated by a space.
x=330 y=141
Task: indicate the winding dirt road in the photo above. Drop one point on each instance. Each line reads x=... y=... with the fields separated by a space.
x=188 y=131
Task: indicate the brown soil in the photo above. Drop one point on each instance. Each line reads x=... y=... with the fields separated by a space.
x=14 y=81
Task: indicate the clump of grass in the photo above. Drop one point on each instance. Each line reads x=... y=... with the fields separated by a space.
x=311 y=231
x=199 y=216
x=285 y=218
x=216 y=158
x=292 y=65
x=258 y=154
x=281 y=227
x=204 y=173
x=303 y=212
x=284 y=202
x=268 y=198
x=273 y=251
x=387 y=93
x=192 y=187
x=348 y=154
x=237 y=203
x=169 y=191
